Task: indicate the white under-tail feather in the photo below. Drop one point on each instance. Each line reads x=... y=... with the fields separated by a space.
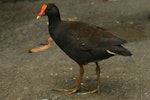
x=110 y=52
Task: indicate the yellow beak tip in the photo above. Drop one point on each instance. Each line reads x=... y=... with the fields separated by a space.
x=38 y=17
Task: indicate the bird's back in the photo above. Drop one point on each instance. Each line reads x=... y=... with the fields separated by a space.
x=85 y=43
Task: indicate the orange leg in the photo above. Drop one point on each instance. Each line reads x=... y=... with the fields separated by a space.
x=77 y=85
x=98 y=81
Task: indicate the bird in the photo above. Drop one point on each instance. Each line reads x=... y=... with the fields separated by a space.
x=82 y=42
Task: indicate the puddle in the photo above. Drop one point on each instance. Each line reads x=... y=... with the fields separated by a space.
x=132 y=32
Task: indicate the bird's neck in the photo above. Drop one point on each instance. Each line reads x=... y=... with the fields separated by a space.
x=54 y=19
x=53 y=23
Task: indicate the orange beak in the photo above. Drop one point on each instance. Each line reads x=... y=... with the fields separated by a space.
x=42 y=12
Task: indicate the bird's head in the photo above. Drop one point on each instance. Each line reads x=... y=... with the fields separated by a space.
x=49 y=10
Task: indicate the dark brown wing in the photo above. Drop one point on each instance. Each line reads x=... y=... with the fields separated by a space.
x=91 y=37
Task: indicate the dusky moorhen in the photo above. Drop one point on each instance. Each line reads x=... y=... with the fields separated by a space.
x=82 y=42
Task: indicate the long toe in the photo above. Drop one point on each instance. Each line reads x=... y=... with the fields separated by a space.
x=89 y=92
x=62 y=90
x=69 y=91
x=72 y=91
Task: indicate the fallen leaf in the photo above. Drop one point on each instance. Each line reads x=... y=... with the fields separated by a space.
x=39 y=49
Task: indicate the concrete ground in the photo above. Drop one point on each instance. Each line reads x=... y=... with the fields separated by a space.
x=25 y=76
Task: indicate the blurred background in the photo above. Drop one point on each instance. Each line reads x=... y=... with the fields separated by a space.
x=25 y=76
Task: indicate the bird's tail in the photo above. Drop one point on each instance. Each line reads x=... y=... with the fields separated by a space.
x=119 y=50
x=123 y=51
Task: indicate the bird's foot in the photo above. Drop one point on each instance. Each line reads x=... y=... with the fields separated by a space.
x=69 y=91
x=75 y=90
x=89 y=90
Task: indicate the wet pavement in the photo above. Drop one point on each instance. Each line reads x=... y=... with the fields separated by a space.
x=25 y=76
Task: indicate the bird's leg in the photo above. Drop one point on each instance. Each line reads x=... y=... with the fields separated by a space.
x=98 y=81
x=77 y=85
x=98 y=76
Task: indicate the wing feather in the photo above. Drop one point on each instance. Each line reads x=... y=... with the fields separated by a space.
x=91 y=37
